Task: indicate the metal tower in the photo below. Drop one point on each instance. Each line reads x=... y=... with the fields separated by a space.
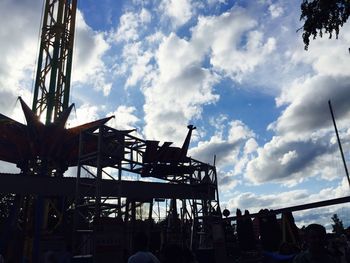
x=52 y=83
x=44 y=202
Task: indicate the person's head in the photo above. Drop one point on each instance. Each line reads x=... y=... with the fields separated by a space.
x=315 y=236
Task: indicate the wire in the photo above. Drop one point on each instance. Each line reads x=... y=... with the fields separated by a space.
x=74 y=48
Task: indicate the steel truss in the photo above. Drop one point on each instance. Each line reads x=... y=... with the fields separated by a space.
x=52 y=83
x=120 y=154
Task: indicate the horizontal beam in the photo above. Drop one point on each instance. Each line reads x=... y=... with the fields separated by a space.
x=66 y=186
x=329 y=202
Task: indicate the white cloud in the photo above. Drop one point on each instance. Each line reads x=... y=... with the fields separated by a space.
x=224 y=34
x=227 y=149
x=254 y=202
x=19 y=44
x=304 y=141
x=282 y=159
x=130 y=24
x=178 y=90
x=250 y=146
x=302 y=116
x=88 y=65
x=276 y=10
x=227 y=182
x=288 y=157
x=327 y=56
x=85 y=113
x=125 y=118
x=137 y=61
x=179 y=11
x=182 y=82
x=238 y=131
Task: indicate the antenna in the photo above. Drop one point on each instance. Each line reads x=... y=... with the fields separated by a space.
x=339 y=143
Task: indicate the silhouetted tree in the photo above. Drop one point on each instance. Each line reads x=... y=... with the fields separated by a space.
x=323 y=16
x=338 y=227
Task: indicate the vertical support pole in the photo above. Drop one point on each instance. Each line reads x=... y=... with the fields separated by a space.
x=70 y=55
x=339 y=143
x=99 y=173
x=150 y=212
x=54 y=65
x=77 y=198
x=40 y=59
x=119 y=189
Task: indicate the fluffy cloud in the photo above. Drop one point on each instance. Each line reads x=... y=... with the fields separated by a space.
x=281 y=159
x=226 y=149
x=254 y=202
x=178 y=11
x=304 y=143
x=125 y=118
x=327 y=56
x=178 y=91
x=19 y=43
x=88 y=65
x=232 y=152
x=224 y=34
x=130 y=24
x=276 y=10
x=306 y=112
x=85 y=113
x=137 y=61
x=227 y=182
x=181 y=80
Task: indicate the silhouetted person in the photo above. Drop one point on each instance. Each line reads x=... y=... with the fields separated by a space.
x=290 y=230
x=270 y=232
x=315 y=237
x=142 y=255
x=245 y=232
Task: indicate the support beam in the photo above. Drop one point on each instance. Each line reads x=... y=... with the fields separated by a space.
x=329 y=202
x=137 y=190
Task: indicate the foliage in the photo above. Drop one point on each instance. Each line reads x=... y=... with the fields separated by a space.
x=323 y=15
x=338 y=227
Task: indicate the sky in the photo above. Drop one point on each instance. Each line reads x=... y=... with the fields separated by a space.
x=237 y=70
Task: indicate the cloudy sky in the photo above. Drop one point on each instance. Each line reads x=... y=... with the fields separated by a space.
x=237 y=70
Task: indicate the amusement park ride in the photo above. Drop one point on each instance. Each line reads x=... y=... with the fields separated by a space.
x=96 y=211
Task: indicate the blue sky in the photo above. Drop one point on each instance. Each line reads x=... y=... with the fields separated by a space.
x=235 y=69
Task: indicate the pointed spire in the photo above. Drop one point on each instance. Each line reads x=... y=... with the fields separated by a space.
x=91 y=125
x=62 y=119
x=31 y=118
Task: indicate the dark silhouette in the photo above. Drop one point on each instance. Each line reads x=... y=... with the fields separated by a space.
x=245 y=232
x=172 y=253
x=270 y=232
x=323 y=16
x=290 y=230
x=142 y=255
x=315 y=237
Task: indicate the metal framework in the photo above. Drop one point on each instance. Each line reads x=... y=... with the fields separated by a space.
x=45 y=200
x=184 y=181
x=52 y=83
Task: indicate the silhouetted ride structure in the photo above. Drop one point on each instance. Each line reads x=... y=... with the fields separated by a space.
x=95 y=212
